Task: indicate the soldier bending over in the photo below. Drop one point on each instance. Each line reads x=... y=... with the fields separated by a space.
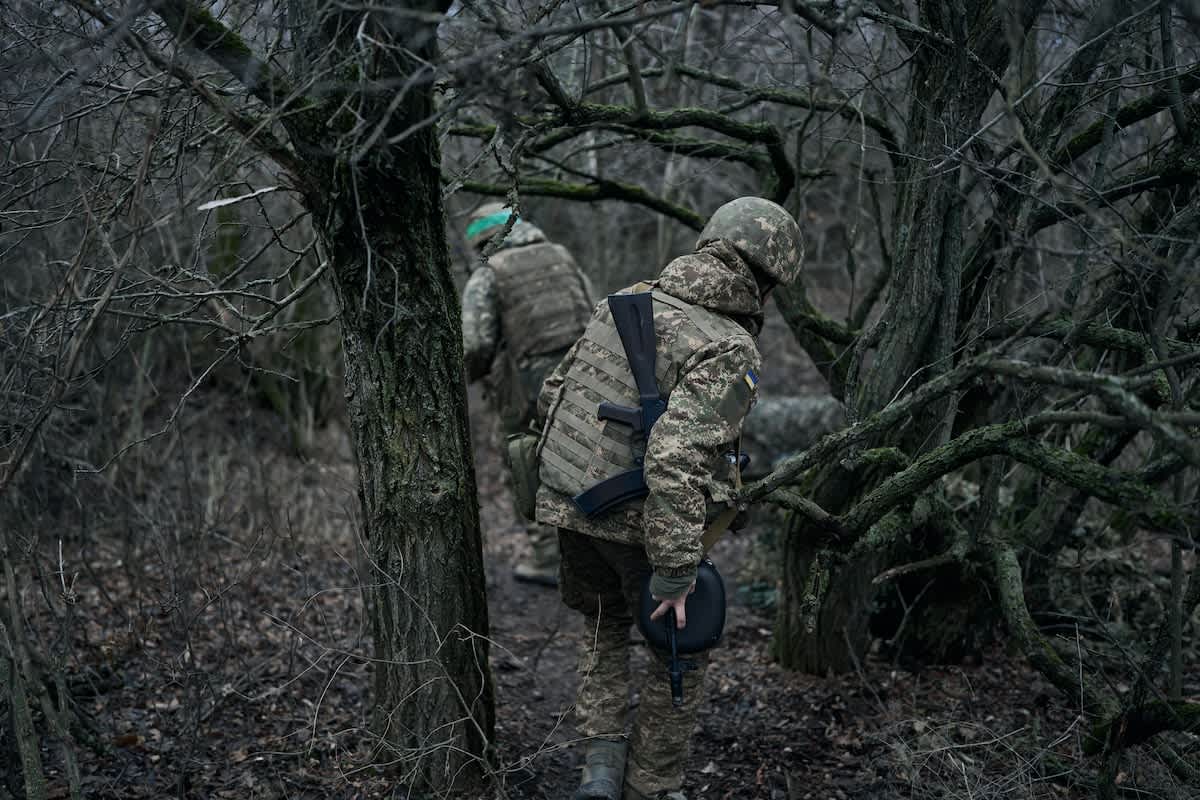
x=708 y=309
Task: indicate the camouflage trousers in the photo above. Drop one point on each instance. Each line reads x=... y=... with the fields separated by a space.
x=602 y=580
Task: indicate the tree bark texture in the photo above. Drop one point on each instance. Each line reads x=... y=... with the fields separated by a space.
x=384 y=230
x=843 y=614
x=405 y=393
x=366 y=158
x=949 y=87
x=376 y=197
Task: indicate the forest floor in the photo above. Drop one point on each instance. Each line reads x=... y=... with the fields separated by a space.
x=227 y=656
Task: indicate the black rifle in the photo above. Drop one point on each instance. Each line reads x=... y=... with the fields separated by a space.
x=633 y=315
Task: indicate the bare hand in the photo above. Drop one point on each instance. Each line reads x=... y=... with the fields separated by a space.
x=676 y=603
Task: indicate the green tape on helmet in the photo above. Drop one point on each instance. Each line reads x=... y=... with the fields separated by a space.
x=486 y=223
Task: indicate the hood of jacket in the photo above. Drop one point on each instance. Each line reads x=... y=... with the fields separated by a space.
x=523 y=233
x=717 y=278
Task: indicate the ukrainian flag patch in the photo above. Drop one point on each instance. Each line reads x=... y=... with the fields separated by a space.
x=751 y=379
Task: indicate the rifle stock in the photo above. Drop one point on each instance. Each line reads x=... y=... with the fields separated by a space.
x=633 y=316
x=610 y=493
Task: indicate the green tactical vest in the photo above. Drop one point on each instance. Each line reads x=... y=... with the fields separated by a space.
x=579 y=450
x=543 y=304
x=544 y=308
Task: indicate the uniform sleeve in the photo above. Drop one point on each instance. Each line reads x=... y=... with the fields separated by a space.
x=703 y=419
x=481 y=322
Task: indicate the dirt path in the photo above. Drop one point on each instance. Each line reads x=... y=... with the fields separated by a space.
x=764 y=734
x=228 y=657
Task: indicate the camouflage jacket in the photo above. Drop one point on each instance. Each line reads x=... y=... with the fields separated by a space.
x=709 y=395
x=529 y=302
x=481 y=306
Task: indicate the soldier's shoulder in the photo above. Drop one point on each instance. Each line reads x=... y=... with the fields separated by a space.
x=480 y=288
x=481 y=276
x=563 y=251
x=734 y=337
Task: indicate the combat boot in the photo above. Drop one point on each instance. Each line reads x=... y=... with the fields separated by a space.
x=634 y=794
x=603 y=771
x=542 y=567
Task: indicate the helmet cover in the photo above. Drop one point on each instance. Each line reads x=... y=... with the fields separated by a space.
x=764 y=233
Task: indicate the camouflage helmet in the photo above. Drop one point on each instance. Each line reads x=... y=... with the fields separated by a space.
x=763 y=232
x=485 y=222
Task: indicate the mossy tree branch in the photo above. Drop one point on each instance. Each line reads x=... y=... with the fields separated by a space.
x=840 y=442
x=773 y=163
x=1131 y=114
x=822 y=519
x=984 y=255
x=1181 y=171
x=1006 y=574
x=1114 y=392
x=255 y=130
x=197 y=28
x=594 y=114
x=679 y=145
x=1122 y=489
x=778 y=96
x=1138 y=725
x=1093 y=334
x=814 y=331
x=1013 y=439
x=596 y=189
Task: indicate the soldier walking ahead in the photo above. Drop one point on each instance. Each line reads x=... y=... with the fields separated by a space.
x=522 y=310
x=708 y=309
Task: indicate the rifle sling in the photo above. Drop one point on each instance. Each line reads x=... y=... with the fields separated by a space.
x=716 y=529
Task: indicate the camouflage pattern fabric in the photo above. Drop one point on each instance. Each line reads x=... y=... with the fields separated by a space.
x=684 y=461
x=763 y=232
x=523 y=233
x=711 y=384
x=481 y=322
x=481 y=306
x=602 y=580
x=485 y=222
x=702 y=422
x=543 y=539
x=512 y=387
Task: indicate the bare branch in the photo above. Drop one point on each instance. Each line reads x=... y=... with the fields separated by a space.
x=196 y=28
x=597 y=189
x=1006 y=573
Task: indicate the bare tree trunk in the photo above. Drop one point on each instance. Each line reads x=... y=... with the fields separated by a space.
x=405 y=391
x=913 y=340
x=370 y=172
x=406 y=396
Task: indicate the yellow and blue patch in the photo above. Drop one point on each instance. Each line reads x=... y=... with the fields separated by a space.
x=738 y=398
